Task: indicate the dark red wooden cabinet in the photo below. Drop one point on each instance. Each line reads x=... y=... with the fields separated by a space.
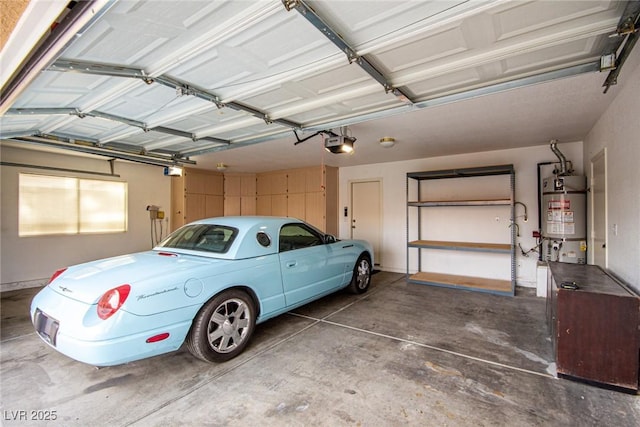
x=595 y=328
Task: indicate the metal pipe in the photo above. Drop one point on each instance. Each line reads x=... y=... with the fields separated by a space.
x=148 y=159
x=526 y=217
x=51 y=168
x=563 y=159
x=540 y=200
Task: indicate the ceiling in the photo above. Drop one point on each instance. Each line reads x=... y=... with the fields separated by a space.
x=230 y=81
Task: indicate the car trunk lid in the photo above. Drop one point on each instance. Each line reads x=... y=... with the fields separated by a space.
x=88 y=282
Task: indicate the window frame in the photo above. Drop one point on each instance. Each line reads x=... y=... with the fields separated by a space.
x=78 y=225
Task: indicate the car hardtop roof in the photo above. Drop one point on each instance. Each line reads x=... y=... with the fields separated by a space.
x=248 y=221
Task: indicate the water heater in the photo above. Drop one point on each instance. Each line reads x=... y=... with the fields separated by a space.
x=564 y=215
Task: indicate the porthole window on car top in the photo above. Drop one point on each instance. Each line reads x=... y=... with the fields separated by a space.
x=263 y=238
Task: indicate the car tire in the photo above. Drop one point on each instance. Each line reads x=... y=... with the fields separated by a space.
x=361 y=275
x=223 y=327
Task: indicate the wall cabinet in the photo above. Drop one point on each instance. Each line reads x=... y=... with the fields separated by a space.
x=239 y=194
x=418 y=202
x=594 y=328
x=310 y=194
x=271 y=193
x=195 y=195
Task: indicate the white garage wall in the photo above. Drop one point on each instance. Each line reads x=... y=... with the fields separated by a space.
x=618 y=130
x=393 y=176
x=30 y=261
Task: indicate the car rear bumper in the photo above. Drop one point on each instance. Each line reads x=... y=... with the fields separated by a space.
x=70 y=327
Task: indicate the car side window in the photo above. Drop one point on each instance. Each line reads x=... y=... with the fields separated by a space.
x=297 y=236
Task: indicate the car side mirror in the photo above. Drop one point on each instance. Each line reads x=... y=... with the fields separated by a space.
x=328 y=238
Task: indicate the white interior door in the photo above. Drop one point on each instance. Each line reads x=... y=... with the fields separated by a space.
x=599 y=210
x=366 y=214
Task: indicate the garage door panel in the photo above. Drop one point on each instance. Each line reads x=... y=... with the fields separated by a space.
x=519 y=18
x=371 y=100
x=143 y=101
x=322 y=89
x=443 y=44
x=153 y=34
x=58 y=90
x=277 y=63
x=260 y=54
x=90 y=127
x=446 y=83
x=577 y=51
x=365 y=26
x=249 y=131
x=19 y=124
x=212 y=116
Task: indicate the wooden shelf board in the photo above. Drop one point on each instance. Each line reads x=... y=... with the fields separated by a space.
x=467 y=282
x=476 y=202
x=463 y=172
x=497 y=247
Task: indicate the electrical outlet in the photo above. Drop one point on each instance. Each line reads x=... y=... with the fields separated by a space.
x=153 y=211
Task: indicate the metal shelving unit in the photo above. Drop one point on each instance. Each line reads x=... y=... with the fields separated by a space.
x=481 y=284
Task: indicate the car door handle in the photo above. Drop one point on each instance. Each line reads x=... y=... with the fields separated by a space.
x=292 y=263
x=347 y=246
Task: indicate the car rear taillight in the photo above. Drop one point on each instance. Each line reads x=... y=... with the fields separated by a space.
x=56 y=274
x=112 y=300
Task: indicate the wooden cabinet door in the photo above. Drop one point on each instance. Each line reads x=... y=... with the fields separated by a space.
x=296 y=206
x=315 y=180
x=248 y=205
x=214 y=184
x=296 y=181
x=263 y=184
x=177 y=202
x=194 y=182
x=214 y=206
x=279 y=183
x=248 y=185
x=263 y=205
x=232 y=205
x=195 y=207
x=314 y=209
x=232 y=185
x=279 y=205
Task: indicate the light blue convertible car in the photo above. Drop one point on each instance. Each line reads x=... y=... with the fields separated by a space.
x=207 y=284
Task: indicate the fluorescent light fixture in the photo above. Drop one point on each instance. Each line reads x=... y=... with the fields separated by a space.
x=173 y=171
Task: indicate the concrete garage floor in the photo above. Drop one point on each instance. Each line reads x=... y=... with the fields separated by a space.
x=399 y=355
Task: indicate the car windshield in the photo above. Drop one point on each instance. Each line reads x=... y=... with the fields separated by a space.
x=201 y=237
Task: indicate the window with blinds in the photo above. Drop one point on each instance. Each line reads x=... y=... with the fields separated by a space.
x=63 y=205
